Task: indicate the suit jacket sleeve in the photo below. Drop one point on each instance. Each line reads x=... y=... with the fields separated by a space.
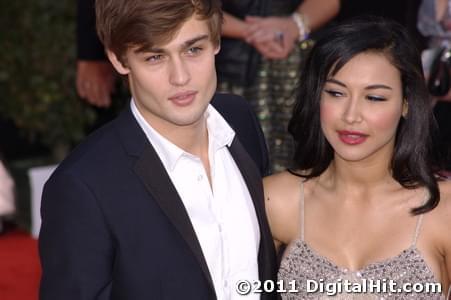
x=75 y=244
x=89 y=46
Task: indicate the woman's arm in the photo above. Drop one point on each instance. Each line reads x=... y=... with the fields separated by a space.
x=262 y=32
x=282 y=194
x=318 y=12
x=233 y=27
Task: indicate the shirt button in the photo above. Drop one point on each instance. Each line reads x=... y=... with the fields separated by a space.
x=200 y=177
x=226 y=284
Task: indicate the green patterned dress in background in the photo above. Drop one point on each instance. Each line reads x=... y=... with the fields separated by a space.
x=271 y=93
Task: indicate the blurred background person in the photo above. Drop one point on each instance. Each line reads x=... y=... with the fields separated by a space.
x=434 y=22
x=263 y=46
x=96 y=80
x=95 y=76
x=402 y=11
x=7 y=203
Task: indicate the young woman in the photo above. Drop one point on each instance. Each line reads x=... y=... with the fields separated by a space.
x=364 y=215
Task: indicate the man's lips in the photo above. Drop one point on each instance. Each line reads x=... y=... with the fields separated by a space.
x=352 y=137
x=183 y=98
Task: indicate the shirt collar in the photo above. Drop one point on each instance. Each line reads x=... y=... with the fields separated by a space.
x=220 y=135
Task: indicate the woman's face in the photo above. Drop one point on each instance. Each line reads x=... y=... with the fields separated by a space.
x=361 y=106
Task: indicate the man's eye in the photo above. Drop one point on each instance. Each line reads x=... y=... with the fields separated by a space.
x=194 y=50
x=154 y=58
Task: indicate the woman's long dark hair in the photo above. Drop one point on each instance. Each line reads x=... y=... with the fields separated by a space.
x=412 y=162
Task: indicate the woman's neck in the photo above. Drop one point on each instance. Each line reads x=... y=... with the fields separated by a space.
x=356 y=178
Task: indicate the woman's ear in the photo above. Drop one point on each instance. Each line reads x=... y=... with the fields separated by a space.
x=405 y=108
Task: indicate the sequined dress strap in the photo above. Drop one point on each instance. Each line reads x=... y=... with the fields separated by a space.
x=417 y=230
x=302 y=213
x=419 y=221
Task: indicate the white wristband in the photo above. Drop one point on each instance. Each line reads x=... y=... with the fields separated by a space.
x=301 y=23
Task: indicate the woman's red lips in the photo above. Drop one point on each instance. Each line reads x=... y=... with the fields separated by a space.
x=352 y=137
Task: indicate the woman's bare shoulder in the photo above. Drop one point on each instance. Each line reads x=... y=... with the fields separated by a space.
x=282 y=194
x=441 y=215
x=439 y=218
x=443 y=221
x=280 y=183
x=444 y=207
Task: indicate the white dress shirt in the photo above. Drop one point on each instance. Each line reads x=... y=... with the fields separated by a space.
x=222 y=214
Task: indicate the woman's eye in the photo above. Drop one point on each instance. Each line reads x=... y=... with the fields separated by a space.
x=334 y=93
x=375 y=98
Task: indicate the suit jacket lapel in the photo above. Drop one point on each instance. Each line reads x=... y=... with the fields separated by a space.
x=251 y=175
x=154 y=176
x=152 y=173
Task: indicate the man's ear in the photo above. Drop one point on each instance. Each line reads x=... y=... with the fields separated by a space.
x=117 y=64
x=218 y=47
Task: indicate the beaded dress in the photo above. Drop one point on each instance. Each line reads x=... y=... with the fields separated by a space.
x=302 y=264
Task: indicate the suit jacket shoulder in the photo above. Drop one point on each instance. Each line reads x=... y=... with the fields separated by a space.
x=239 y=114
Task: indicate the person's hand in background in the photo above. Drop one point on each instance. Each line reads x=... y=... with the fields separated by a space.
x=273 y=37
x=95 y=82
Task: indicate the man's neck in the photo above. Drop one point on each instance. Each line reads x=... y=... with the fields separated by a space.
x=191 y=138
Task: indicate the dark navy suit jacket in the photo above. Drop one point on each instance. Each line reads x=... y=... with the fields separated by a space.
x=114 y=227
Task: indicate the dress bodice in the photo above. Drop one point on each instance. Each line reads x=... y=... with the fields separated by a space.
x=309 y=270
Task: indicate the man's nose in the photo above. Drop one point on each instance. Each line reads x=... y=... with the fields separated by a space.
x=179 y=73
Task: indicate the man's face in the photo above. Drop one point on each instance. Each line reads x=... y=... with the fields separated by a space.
x=172 y=84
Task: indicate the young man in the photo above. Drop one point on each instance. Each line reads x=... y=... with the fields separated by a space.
x=166 y=201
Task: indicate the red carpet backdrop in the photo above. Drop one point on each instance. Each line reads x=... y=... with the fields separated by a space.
x=19 y=266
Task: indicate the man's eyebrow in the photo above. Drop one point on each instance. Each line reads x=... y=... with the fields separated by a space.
x=192 y=41
x=185 y=45
x=370 y=87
